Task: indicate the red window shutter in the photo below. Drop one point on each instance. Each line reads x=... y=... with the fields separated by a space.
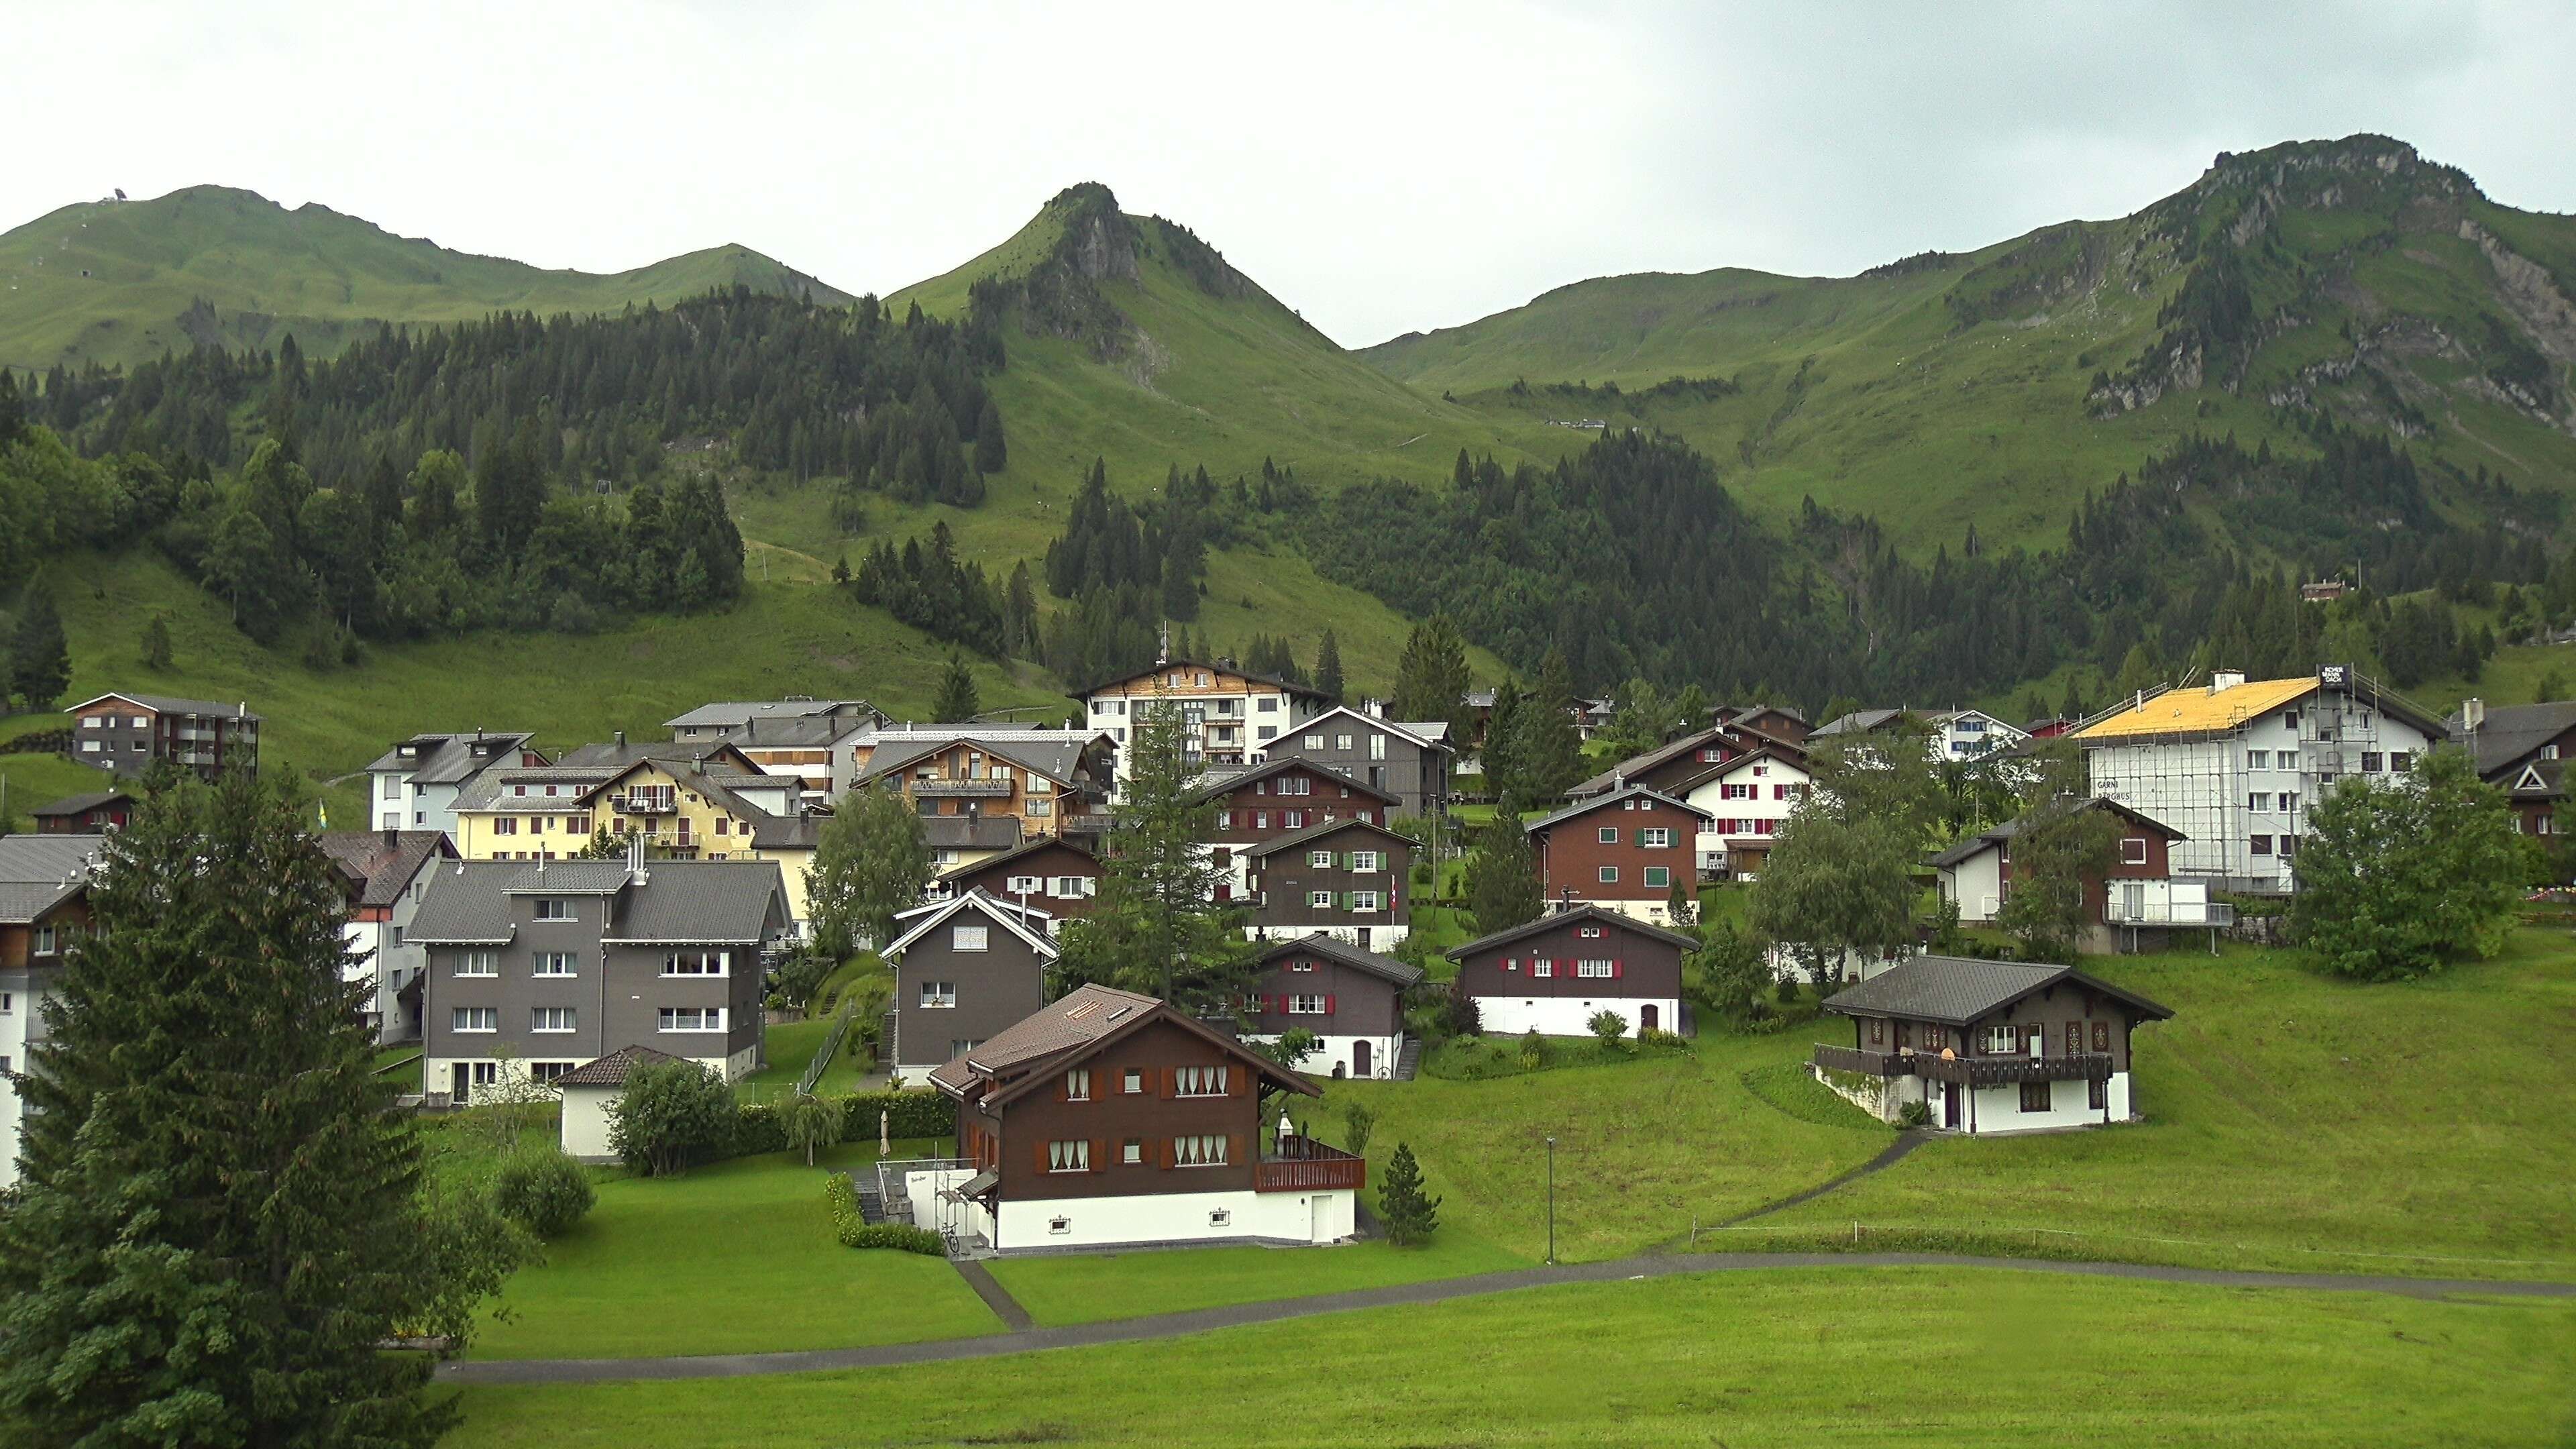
x=1042 y=1157
x=1100 y=1158
x=1328 y=1003
x=1618 y=968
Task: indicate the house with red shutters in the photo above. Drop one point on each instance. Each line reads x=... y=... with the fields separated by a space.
x=1621 y=851
x=1347 y=879
x=1282 y=797
x=2137 y=903
x=1554 y=974
x=1749 y=798
x=1351 y=999
x=1110 y=1119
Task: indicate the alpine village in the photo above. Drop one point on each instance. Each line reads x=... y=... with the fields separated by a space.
x=666 y=861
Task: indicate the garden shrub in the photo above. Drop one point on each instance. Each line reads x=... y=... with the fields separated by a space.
x=1655 y=1038
x=1610 y=1026
x=914 y=1114
x=544 y=1192
x=671 y=1116
x=854 y=1231
x=1914 y=1114
x=1533 y=1053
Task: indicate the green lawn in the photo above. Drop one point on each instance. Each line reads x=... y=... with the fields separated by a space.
x=791 y=1050
x=1864 y=1357
x=2293 y=1121
x=1100 y=1286
x=401 y=1064
x=734 y=1258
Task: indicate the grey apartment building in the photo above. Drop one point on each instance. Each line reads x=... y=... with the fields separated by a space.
x=549 y=964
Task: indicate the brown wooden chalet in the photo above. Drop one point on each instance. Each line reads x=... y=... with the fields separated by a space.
x=1112 y=1100
x=1988 y=1046
x=1059 y=875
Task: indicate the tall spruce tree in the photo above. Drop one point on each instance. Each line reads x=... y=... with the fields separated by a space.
x=1157 y=927
x=992 y=454
x=1501 y=751
x=957 y=701
x=1328 y=667
x=1548 y=748
x=1503 y=887
x=221 y=1218
x=40 y=658
x=1431 y=679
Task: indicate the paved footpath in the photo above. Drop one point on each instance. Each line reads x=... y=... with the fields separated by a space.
x=1175 y=1325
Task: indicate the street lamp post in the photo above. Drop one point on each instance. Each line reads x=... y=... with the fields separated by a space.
x=1551 y=1200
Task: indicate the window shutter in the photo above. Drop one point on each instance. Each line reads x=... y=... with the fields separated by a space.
x=1618 y=968
x=1163 y=1153
x=1100 y=1158
x=1233 y=1148
x=1171 y=1083
x=1042 y=1157
x=1064 y=1086
x=1328 y=1003
x=1236 y=1079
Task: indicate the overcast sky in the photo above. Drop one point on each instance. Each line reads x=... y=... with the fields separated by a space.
x=1380 y=169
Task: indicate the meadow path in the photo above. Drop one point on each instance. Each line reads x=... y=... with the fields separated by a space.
x=1175 y=1325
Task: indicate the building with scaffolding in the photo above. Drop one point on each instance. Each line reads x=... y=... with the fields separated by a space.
x=2236 y=764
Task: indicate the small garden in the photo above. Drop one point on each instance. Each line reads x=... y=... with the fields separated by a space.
x=1485 y=1058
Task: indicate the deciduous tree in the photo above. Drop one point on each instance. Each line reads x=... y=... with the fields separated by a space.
x=872 y=859
x=2402 y=878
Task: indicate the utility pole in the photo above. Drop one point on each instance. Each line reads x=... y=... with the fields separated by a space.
x=1551 y=1200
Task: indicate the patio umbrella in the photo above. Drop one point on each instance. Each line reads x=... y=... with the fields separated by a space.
x=885 y=1142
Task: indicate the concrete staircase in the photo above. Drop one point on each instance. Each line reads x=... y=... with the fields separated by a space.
x=1408 y=1060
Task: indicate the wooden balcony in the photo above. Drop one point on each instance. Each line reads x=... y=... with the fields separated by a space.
x=1855 y=1059
x=642 y=804
x=935 y=788
x=1302 y=1164
x=1966 y=1071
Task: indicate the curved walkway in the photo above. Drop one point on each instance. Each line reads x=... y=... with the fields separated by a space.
x=1175 y=1325
x=1905 y=1142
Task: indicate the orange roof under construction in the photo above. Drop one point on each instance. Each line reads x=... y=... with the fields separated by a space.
x=2198 y=710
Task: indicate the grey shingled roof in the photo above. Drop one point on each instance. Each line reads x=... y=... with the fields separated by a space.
x=1319 y=944
x=1056 y=758
x=47 y=859
x=712 y=901
x=75 y=804
x=1559 y=918
x=1859 y=721
x=173 y=704
x=465 y=904
x=612 y=1069
x=1212 y=785
x=452 y=758
x=1971 y=845
x=383 y=868
x=25 y=902
x=1957 y=990
x=2515 y=730
x=1296 y=838
x=567 y=878
x=970 y=832
x=1598 y=802
x=1638 y=764
x=733 y=714
x=1027 y=847
x=787 y=832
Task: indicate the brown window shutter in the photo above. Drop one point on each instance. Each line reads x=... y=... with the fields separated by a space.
x=1163 y=1152
x=1233 y=1148
x=1235 y=1079
x=1100 y=1158
x=1042 y=1156
x=1171 y=1083
x=1064 y=1086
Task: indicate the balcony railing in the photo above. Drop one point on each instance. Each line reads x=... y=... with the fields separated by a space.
x=961 y=787
x=1302 y=1164
x=2170 y=913
x=1966 y=1071
x=642 y=804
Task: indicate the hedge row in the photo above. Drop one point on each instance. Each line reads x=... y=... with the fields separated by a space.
x=914 y=1114
x=855 y=1231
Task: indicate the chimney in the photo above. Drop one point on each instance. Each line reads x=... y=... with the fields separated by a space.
x=620 y=737
x=635 y=858
x=393 y=837
x=2225 y=679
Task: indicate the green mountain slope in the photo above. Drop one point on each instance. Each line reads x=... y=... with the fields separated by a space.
x=117 y=282
x=2349 y=280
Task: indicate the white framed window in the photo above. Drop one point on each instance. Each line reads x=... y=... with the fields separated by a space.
x=1542 y=966
x=1260 y=819
x=1205 y=1150
x=1320 y=900
x=2133 y=850
x=1199 y=1081
x=1377 y=747
x=698 y=963
x=550 y=1018
x=1596 y=968
x=967 y=938
x=1364 y=861
x=1609 y=835
x=1026 y=885
x=1133 y=1083
x=1225 y=820
x=692 y=1018
x=478 y=963
x=1609 y=875
x=555 y=963
x=1305 y=1006
x=937 y=995
x=1341 y=742
x=1656 y=837
x=1077 y=1085
x=1320 y=859
x=47 y=941
x=1038 y=809
x=474 y=1018
x=1364 y=900
x=2258 y=759
x=1072 y=1156
x=1314 y=742
x=551 y=909
x=545 y=1073
x=1132 y=1152
x=1069 y=886
x=1292 y=819
x=2258 y=802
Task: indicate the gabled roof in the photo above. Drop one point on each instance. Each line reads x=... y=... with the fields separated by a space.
x=1791 y=757
x=732 y=714
x=2536 y=780
x=1427 y=733
x=713 y=902
x=1009 y=917
x=787 y=832
x=1956 y=990
x=2513 y=731
x=804 y=731
x=1030 y=846
x=1401 y=973
x=1972 y=845
x=1859 y=721
x=694 y=756
x=1295 y=838
x=568 y=878
x=1084 y=1020
x=2195 y=710
x=465 y=905
x=970 y=832
x=612 y=1069
x=1058 y=758
x=1579 y=914
x=1165 y=666
x=1638 y=764
x=382 y=863
x=172 y=704
x=1228 y=784
x=76 y=804
x=451 y=759
x=1597 y=802
x=38 y=873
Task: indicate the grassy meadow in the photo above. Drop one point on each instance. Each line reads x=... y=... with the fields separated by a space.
x=1797 y=1358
